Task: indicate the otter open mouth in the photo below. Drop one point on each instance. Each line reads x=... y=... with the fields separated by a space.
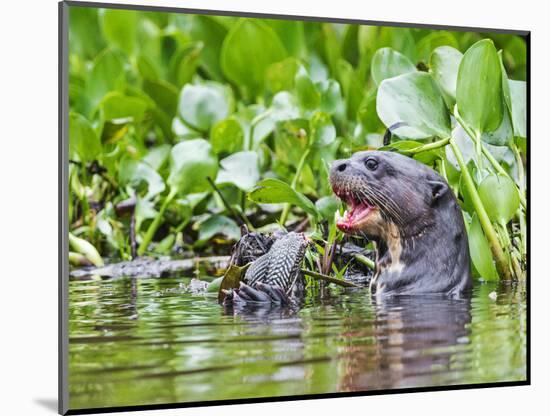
x=356 y=214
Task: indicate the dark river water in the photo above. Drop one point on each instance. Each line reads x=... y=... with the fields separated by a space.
x=145 y=342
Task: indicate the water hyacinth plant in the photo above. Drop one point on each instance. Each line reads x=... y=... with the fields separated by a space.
x=184 y=127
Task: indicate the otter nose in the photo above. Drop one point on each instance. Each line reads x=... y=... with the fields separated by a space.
x=340 y=166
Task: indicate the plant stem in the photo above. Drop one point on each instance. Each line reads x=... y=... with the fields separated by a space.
x=329 y=279
x=154 y=225
x=429 y=146
x=253 y=124
x=294 y=183
x=365 y=260
x=496 y=248
x=521 y=212
x=240 y=218
x=497 y=166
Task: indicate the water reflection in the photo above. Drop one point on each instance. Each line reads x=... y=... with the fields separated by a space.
x=139 y=342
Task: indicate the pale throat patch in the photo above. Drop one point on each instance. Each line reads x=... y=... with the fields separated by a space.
x=390 y=234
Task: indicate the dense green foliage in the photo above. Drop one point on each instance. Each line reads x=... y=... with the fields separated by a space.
x=166 y=108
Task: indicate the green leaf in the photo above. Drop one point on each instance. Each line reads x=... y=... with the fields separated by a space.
x=275 y=191
x=218 y=225
x=402 y=146
x=322 y=130
x=284 y=107
x=291 y=34
x=133 y=172
x=107 y=74
x=119 y=28
x=184 y=64
x=83 y=140
x=240 y=169
x=211 y=33
x=518 y=93
x=116 y=105
x=479 y=88
x=444 y=64
x=352 y=86
x=331 y=96
x=248 y=50
x=191 y=162
x=157 y=156
x=367 y=114
x=308 y=96
x=164 y=94
x=227 y=136
x=230 y=280
x=292 y=139
x=327 y=206
x=413 y=99
x=433 y=41
x=500 y=197
x=388 y=63
x=203 y=105
x=480 y=252
x=280 y=76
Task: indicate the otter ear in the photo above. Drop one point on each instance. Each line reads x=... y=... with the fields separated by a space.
x=439 y=189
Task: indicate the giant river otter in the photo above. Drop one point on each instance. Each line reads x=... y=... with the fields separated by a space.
x=402 y=205
x=414 y=218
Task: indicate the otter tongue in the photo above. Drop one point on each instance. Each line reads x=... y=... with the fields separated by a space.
x=354 y=210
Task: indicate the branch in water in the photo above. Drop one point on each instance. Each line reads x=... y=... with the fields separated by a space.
x=326 y=278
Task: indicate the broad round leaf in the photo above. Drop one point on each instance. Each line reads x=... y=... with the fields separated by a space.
x=203 y=105
x=444 y=64
x=322 y=130
x=518 y=93
x=116 y=105
x=119 y=28
x=331 y=96
x=280 y=75
x=284 y=107
x=218 y=225
x=83 y=140
x=107 y=74
x=227 y=136
x=500 y=197
x=415 y=100
x=479 y=87
x=308 y=96
x=275 y=191
x=388 y=63
x=191 y=162
x=133 y=172
x=480 y=251
x=327 y=206
x=248 y=50
x=433 y=41
x=240 y=169
x=211 y=33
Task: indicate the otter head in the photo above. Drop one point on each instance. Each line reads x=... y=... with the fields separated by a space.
x=386 y=193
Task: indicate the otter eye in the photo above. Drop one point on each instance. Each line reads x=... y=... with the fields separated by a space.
x=371 y=164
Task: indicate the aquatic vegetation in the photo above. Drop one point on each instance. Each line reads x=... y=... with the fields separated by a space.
x=183 y=128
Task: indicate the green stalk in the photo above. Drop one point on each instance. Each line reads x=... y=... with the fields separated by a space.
x=429 y=146
x=293 y=185
x=155 y=224
x=326 y=278
x=496 y=248
x=494 y=163
x=523 y=209
x=365 y=260
x=253 y=124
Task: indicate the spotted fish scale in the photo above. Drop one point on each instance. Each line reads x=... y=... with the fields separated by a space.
x=280 y=265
